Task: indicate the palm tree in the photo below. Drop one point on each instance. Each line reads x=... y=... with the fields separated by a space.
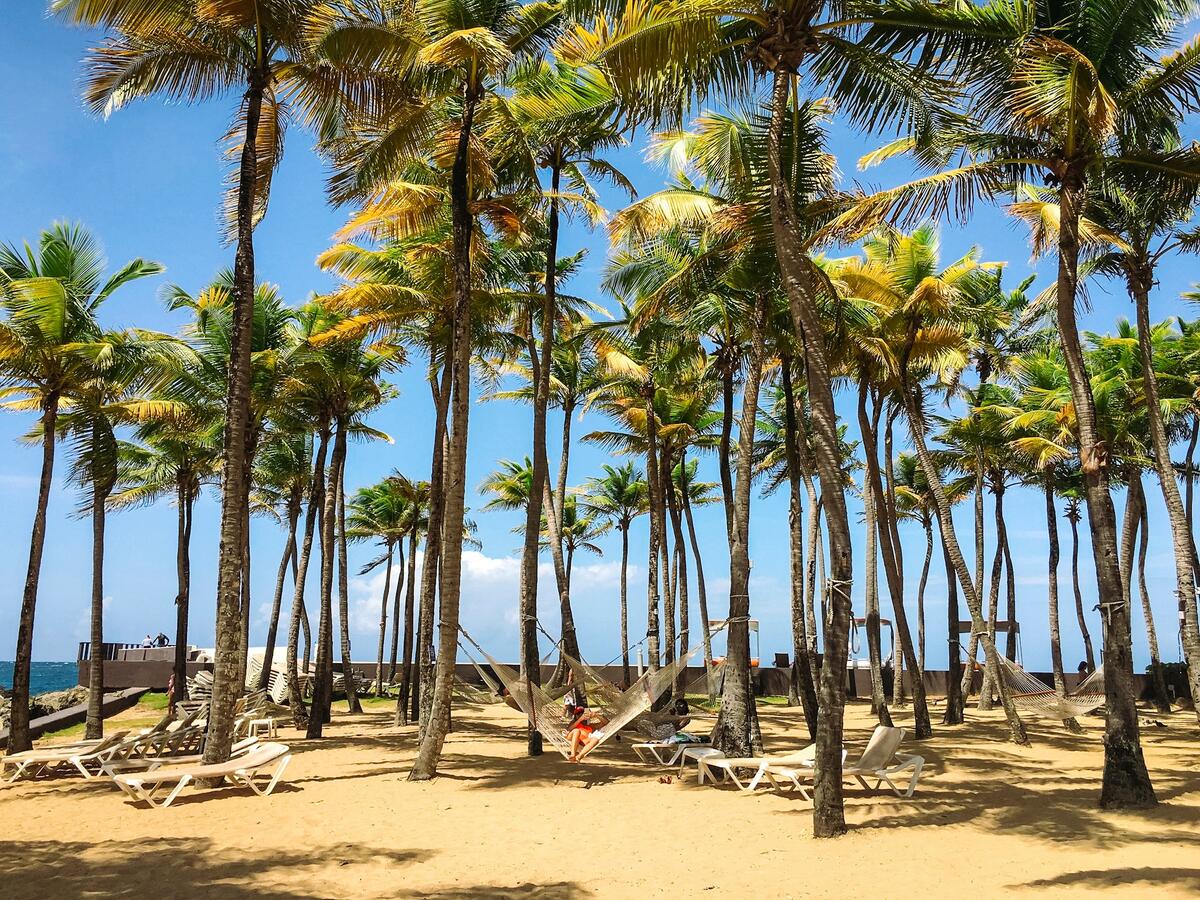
x=191 y=52
x=282 y=469
x=50 y=298
x=381 y=512
x=620 y=495
x=172 y=459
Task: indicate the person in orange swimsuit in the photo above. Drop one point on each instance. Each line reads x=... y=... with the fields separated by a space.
x=584 y=733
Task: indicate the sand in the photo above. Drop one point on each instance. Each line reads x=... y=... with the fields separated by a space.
x=989 y=819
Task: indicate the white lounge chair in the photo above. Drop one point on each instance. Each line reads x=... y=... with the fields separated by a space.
x=721 y=768
x=266 y=761
x=881 y=761
x=150 y=763
x=664 y=753
x=33 y=763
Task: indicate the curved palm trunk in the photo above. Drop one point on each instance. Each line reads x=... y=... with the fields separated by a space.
x=991 y=672
x=1056 y=663
x=230 y=563
x=736 y=732
x=316 y=502
x=1158 y=684
x=895 y=577
x=289 y=553
x=679 y=600
x=95 y=708
x=917 y=429
x=1073 y=517
x=397 y=622
x=954 y=697
x=1126 y=782
x=406 y=678
x=869 y=426
x=895 y=559
x=656 y=531
x=1182 y=537
x=185 y=500
x=344 y=576
x=383 y=617
x=422 y=681
x=701 y=587
x=828 y=814
x=18 y=728
x=430 y=750
x=927 y=526
x=1010 y=591
x=968 y=675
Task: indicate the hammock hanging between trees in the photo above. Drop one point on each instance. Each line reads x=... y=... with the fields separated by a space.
x=1039 y=699
x=546 y=713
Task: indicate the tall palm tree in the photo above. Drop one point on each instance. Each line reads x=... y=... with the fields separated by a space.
x=172 y=459
x=620 y=495
x=190 y=52
x=50 y=297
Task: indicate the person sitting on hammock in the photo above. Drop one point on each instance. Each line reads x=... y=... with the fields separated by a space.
x=584 y=732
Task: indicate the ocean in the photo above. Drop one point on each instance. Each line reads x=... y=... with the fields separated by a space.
x=43 y=676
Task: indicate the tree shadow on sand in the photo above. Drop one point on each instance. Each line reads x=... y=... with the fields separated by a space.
x=176 y=867
x=1150 y=878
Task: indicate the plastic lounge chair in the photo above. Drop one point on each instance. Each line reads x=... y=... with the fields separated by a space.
x=266 y=761
x=150 y=763
x=721 y=768
x=43 y=762
x=657 y=750
x=791 y=776
x=881 y=761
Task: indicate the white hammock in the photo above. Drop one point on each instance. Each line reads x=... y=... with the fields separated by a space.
x=1036 y=698
x=547 y=714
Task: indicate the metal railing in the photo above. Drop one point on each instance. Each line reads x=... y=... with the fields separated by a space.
x=108 y=652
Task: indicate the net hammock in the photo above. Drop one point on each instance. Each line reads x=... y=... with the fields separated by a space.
x=547 y=714
x=1035 y=697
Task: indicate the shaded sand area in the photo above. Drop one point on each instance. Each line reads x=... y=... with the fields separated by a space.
x=989 y=819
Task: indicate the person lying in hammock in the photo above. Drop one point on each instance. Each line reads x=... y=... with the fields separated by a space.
x=584 y=732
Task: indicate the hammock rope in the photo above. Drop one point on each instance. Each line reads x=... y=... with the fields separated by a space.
x=1039 y=699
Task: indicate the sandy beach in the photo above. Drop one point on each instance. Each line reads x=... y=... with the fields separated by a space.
x=989 y=819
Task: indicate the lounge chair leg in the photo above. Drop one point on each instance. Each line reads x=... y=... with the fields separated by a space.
x=183 y=781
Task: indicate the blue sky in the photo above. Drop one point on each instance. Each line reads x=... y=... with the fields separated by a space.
x=148 y=183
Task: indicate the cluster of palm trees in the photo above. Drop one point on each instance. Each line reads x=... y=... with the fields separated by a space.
x=142 y=416
x=460 y=133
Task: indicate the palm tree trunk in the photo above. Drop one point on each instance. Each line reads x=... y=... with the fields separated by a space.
x=991 y=672
x=1182 y=536
x=397 y=622
x=656 y=535
x=18 y=733
x=289 y=551
x=815 y=561
x=928 y=528
x=323 y=676
x=917 y=429
x=226 y=686
x=316 y=502
x=725 y=441
x=352 y=701
x=802 y=683
x=1158 y=684
x=1126 y=782
x=422 y=681
x=1073 y=517
x=430 y=749
x=828 y=814
x=954 y=696
x=183 y=574
x=406 y=678
x=383 y=615
x=896 y=557
x=968 y=675
x=867 y=425
x=701 y=587
x=625 y=604
x=1010 y=592
x=1056 y=662
x=736 y=732
x=681 y=598
x=95 y=708
x=891 y=552
x=243 y=656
